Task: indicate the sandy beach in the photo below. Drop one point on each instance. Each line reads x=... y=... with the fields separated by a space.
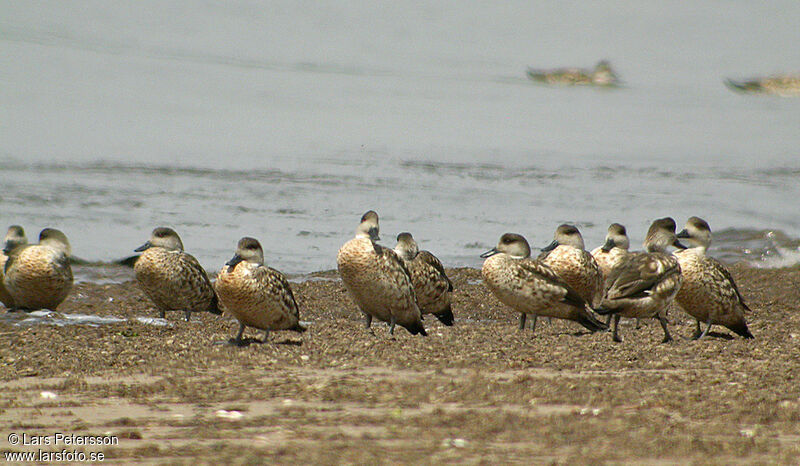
x=479 y=392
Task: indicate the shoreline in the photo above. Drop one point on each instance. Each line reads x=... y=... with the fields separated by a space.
x=338 y=394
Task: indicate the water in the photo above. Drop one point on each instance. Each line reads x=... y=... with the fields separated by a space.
x=287 y=120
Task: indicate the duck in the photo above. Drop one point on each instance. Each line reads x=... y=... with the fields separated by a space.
x=567 y=256
x=15 y=237
x=602 y=75
x=780 y=85
x=378 y=280
x=529 y=286
x=257 y=295
x=645 y=282
x=611 y=253
x=39 y=276
x=613 y=250
x=173 y=279
x=708 y=294
x=431 y=286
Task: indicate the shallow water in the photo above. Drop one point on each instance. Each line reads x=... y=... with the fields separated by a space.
x=287 y=120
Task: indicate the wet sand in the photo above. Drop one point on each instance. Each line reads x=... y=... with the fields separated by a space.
x=479 y=392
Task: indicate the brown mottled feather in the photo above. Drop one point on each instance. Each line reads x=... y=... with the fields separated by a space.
x=709 y=292
x=174 y=281
x=578 y=269
x=643 y=284
x=431 y=285
x=37 y=277
x=379 y=283
x=528 y=286
x=258 y=296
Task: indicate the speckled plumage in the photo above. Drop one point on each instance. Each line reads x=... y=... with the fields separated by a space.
x=39 y=276
x=173 y=279
x=530 y=287
x=786 y=86
x=257 y=295
x=568 y=258
x=709 y=293
x=431 y=285
x=645 y=283
x=377 y=279
x=613 y=251
x=602 y=75
x=15 y=237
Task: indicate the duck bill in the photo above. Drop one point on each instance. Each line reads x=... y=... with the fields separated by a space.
x=550 y=246
x=373 y=234
x=679 y=245
x=608 y=245
x=143 y=247
x=683 y=234
x=234 y=260
x=490 y=253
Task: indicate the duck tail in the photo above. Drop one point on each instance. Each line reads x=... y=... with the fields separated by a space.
x=592 y=324
x=604 y=310
x=536 y=75
x=214 y=306
x=446 y=317
x=741 y=330
x=741 y=86
x=416 y=328
x=299 y=328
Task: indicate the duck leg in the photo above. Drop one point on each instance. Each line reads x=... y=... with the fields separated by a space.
x=663 y=321
x=705 y=332
x=615 y=334
x=533 y=324
x=238 y=340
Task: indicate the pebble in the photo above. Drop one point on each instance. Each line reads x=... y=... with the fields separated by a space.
x=232 y=415
x=454 y=442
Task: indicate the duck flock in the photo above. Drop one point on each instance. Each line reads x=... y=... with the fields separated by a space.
x=399 y=286
x=603 y=75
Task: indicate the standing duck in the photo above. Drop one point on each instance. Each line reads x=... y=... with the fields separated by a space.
x=257 y=295
x=645 y=282
x=431 y=285
x=377 y=279
x=530 y=287
x=708 y=293
x=171 y=278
